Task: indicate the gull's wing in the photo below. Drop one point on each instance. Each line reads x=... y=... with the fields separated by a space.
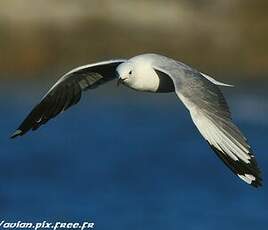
x=211 y=115
x=67 y=92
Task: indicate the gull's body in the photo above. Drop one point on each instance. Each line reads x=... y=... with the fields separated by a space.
x=156 y=73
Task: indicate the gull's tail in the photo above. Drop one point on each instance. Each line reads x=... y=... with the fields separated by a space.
x=216 y=82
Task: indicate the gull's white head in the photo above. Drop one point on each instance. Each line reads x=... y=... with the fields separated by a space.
x=138 y=73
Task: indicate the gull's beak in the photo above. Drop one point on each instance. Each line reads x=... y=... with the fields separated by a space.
x=120 y=81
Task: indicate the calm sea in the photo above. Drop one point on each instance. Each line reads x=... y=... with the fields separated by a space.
x=128 y=160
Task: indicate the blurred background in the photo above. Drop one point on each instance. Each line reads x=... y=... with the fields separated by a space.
x=114 y=159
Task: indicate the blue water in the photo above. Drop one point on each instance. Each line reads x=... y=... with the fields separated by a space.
x=128 y=160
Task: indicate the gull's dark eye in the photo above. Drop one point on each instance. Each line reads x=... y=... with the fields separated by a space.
x=130 y=72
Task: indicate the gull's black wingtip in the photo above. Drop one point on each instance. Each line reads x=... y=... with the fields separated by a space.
x=249 y=173
x=257 y=183
x=18 y=132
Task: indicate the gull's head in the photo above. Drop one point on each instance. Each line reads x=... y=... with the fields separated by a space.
x=137 y=73
x=125 y=73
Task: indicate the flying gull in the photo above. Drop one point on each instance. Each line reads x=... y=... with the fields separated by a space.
x=158 y=74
